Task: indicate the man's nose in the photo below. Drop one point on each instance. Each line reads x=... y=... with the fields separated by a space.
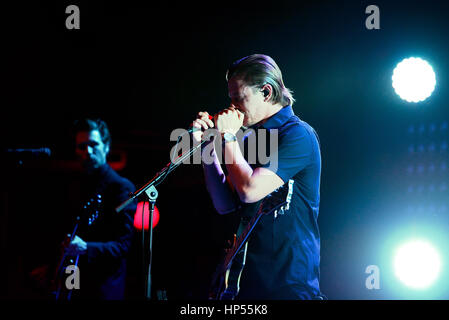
x=86 y=150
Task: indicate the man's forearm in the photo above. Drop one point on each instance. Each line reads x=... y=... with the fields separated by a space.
x=239 y=171
x=219 y=190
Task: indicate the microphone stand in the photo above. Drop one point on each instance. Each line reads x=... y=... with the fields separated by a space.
x=150 y=190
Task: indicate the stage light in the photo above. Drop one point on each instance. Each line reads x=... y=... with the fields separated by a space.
x=422 y=129
x=417 y=264
x=414 y=79
x=421 y=148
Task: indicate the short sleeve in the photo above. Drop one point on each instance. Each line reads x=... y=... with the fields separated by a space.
x=293 y=153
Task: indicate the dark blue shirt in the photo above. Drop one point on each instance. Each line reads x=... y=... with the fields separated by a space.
x=284 y=252
x=109 y=238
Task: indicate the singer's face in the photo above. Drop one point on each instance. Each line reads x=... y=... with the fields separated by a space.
x=90 y=149
x=247 y=100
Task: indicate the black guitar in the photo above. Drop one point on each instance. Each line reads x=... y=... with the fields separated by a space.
x=225 y=281
x=90 y=212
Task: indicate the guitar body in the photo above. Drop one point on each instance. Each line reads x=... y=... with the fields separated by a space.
x=90 y=212
x=225 y=284
x=226 y=279
x=61 y=292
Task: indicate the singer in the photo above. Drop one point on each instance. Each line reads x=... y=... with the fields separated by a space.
x=283 y=255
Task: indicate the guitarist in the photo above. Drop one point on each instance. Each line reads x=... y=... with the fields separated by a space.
x=283 y=252
x=104 y=244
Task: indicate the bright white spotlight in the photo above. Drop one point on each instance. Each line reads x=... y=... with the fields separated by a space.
x=417 y=264
x=413 y=79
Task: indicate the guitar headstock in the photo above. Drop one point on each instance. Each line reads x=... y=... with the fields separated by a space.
x=279 y=200
x=92 y=209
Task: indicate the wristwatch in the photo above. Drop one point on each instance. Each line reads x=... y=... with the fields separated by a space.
x=228 y=137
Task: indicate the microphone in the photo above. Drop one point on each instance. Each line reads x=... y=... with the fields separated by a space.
x=29 y=153
x=193 y=129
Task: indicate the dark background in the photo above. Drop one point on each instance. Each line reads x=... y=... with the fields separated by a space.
x=147 y=70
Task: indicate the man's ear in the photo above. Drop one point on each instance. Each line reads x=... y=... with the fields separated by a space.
x=106 y=149
x=267 y=91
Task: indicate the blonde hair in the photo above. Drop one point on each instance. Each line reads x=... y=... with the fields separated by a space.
x=258 y=70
